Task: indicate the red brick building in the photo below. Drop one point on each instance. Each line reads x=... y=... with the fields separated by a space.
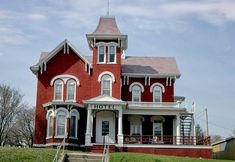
x=84 y=98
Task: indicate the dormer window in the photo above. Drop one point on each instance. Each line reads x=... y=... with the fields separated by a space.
x=101 y=54
x=112 y=54
x=58 y=90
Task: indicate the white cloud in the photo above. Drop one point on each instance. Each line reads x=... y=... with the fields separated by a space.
x=10 y=35
x=37 y=17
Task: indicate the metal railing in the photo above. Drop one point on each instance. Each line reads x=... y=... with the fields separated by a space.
x=105 y=157
x=62 y=144
x=166 y=139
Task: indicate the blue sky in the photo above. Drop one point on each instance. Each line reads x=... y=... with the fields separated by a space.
x=199 y=33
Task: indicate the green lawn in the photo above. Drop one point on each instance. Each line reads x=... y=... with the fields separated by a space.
x=138 y=157
x=12 y=154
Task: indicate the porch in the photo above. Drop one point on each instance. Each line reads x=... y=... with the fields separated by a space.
x=167 y=140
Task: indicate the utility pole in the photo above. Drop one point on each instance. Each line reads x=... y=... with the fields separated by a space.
x=207 y=129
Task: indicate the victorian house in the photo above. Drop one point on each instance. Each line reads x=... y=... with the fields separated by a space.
x=129 y=98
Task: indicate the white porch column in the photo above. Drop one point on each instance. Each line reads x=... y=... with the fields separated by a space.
x=178 y=129
x=88 y=128
x=120 y=133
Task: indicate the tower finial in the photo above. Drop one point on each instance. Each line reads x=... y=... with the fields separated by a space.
x=108 y=9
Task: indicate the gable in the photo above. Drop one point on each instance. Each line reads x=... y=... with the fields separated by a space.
x=66 y=48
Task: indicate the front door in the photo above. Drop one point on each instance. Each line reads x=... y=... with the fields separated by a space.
x=105 y=125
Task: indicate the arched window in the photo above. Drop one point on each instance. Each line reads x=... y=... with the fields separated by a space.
x=74 y=117
x=106 y=85
x=136 y=88
x=58 y=90
x=50 y=118
x=157 y=89
x=71 y=90
x=61 y=123
x=157 y=94
x=136 y=93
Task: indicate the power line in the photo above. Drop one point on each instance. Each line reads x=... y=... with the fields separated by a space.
x=216 y=125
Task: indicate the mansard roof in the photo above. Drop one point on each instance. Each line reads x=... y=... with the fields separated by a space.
x=107 y=29
x=107 y=25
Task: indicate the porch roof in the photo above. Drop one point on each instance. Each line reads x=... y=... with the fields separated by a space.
x=104 y=99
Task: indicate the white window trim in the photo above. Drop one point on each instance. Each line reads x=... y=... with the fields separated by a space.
x=115 y=53
x=65 y=78
x=157 y=84
x=49 y=114
x=75 y=91
x=106 y=72
x=98 y=52
x=75 y=113
x=131 y=90
x=159 y=94
x=136 y=83
x=66 y=116
x=62 y=91
x=111 y=85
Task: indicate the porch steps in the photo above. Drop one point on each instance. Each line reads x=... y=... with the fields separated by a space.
x=186 y=124
x=100 y=148
x=83 y=157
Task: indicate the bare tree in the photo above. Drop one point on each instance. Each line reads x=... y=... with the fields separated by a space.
x=10 y=106
x=216 y=138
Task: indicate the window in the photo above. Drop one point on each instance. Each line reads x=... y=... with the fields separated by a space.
x=50 y=125
x=157 y=94
x=112 y=54
x=106 y=85
x=136 y=125
x=71 y=90
x=74 y=123
x=136 y=93
x=157 y=129
x=105 y=128
x=136 y=129
x=157 y=89
x=58 y=90
x=60 y=123
x=101 y=54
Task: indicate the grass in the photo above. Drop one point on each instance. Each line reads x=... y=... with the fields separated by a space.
x=13 y=154
x=139 y=157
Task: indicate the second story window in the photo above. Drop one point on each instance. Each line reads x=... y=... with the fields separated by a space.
x=58 y=90
x=101 y=54
x=106 y=85
x=112 y=54
x=157 y=89
x=136 y=93
x=71 y=90
x=157 y=94
x=136 y=89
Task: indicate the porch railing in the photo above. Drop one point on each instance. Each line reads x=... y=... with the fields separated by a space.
x=166 y=139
